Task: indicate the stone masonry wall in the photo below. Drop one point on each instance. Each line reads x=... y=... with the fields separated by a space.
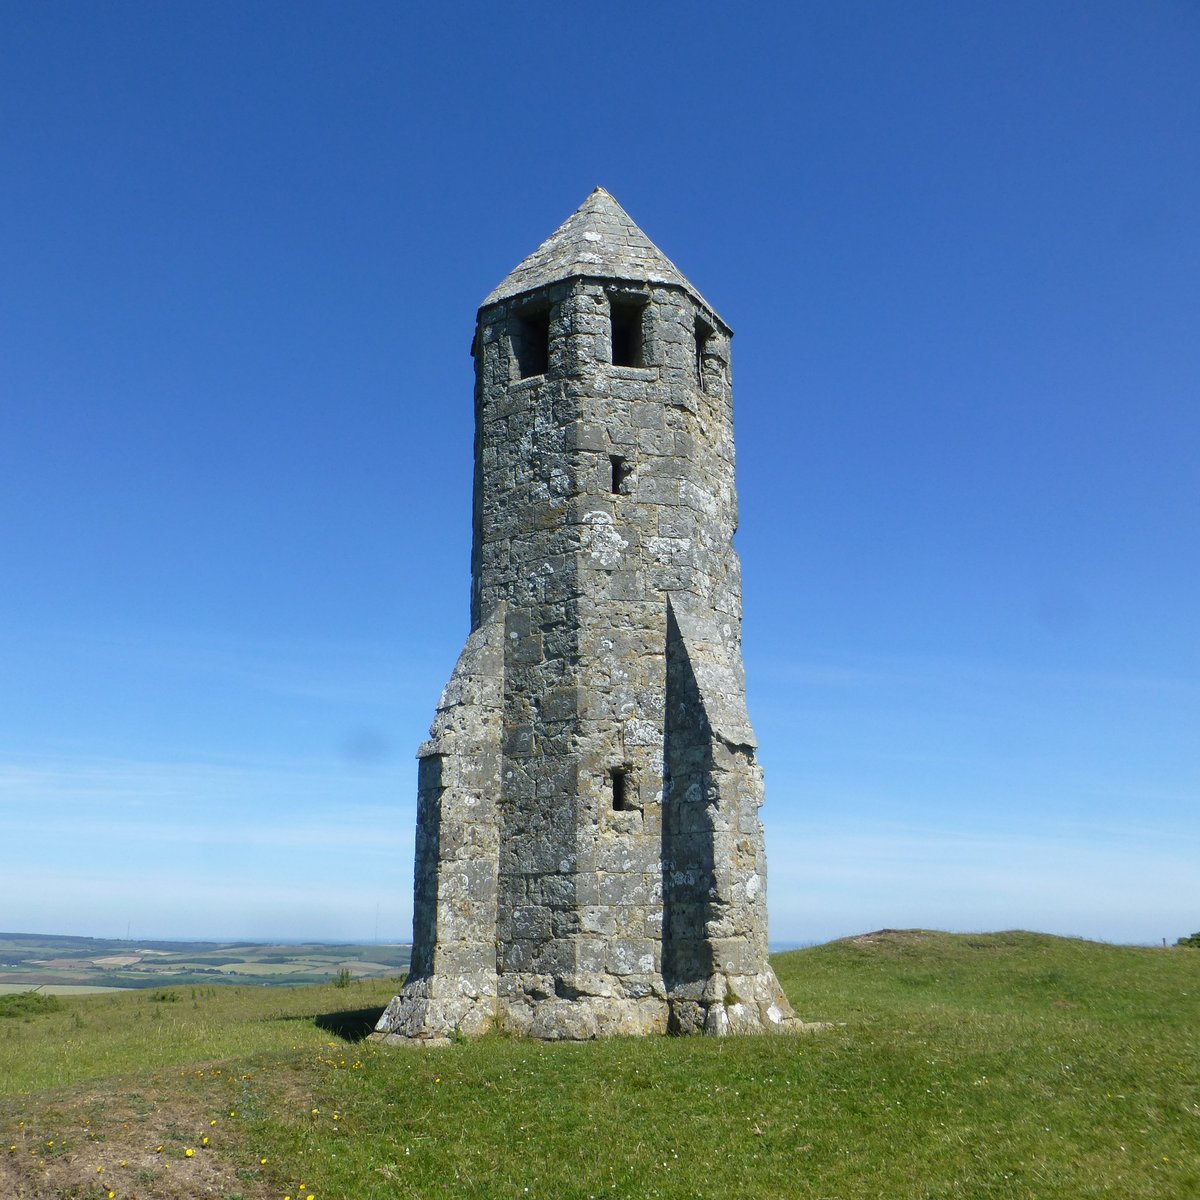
x=451 y=984
x=589 y=857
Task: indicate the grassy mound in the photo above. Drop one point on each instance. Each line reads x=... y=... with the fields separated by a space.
x=28 y=1004
x=974 y=1066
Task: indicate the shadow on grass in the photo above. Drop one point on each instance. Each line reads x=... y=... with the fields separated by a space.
x=352 y=1025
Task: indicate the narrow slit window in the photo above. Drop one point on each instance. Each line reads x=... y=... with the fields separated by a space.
x=531 y=343
x=621 y=471
x=620 y=790
x=703 y=332
x=628 y=344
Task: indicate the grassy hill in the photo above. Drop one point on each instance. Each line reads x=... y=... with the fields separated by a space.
x=975 y=1066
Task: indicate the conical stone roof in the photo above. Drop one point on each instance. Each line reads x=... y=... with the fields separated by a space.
x=599 y=240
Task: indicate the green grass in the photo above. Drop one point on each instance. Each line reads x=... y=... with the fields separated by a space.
x=1001 y=1065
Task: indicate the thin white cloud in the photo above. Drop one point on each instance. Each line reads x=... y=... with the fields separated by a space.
x=327 y=671
x=97 y=834
x=1120 y=885
x=880 y=673
x=161 y=902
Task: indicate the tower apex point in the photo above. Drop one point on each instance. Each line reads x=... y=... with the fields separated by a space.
x=599 y=240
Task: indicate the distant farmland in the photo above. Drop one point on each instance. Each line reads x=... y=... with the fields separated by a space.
x=68 y=964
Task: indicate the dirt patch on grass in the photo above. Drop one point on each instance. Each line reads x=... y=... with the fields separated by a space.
x=891 y=937
x=151 y=1144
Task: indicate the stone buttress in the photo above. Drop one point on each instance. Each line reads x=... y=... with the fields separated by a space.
x=589 y=854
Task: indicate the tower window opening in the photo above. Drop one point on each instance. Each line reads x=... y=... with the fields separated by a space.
x=621 y=800
x=531 y=342
x=621 y=470
x=628 y=344
x=704 y=332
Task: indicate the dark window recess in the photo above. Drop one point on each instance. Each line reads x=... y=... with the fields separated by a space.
x=621 y=801
x=627 y=340
x=704 y=333
x=531 y=343
x=621 y=470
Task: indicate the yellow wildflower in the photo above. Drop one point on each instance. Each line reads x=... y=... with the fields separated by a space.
x=188 y=1152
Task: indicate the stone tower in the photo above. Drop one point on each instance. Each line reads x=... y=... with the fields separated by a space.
x=589 y=856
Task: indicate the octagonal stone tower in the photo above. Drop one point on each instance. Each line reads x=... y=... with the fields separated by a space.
x=589 y=855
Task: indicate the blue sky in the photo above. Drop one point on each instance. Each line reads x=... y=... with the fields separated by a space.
x=243 y=248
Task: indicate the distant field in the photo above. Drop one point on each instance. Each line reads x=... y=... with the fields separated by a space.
x=1010 y=1066
x=55 y=964
x=58 y=989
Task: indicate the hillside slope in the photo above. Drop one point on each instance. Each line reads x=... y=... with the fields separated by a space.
x=974 y=1066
